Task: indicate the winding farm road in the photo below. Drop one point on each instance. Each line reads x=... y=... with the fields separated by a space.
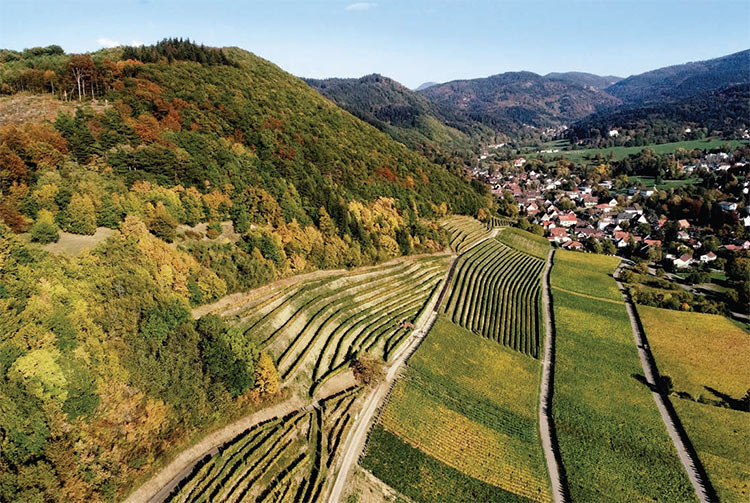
x=546 y=423
x=695 y=471
x=357 y=437
x=158 y=487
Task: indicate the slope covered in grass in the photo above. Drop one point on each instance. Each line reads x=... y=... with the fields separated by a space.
x=706 y=356
x=613 y=444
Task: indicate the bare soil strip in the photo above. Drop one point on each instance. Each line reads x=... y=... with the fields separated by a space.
x=546 y=423
x=689 y=458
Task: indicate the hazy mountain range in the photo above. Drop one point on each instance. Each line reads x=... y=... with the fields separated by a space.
x=706 y=94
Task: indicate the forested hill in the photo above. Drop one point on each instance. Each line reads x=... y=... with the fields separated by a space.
x=585 y=79
x=513 y=100
x=674 y=103
x=102 y=368
x=404 y=114
x=679 y=82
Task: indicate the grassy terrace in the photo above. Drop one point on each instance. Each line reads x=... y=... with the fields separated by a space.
x=496 y=293
x=701 y=353
x=284 y=459
x=526 y=242
x=460 y=426
x=312 y=329
x=613 y=444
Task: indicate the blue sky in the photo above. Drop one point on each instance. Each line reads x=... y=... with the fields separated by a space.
x=411 y=41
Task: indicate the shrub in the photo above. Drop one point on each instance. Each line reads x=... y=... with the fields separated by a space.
x=44 y=229
x=162 y=224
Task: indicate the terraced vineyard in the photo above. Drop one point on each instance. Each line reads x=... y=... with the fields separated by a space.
x=313 y=329
x=465 y=232
x=496 y=292
x=495 y=222
x=284 y=459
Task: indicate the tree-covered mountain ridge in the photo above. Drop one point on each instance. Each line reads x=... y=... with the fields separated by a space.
x=405 y=115
x=102 y=368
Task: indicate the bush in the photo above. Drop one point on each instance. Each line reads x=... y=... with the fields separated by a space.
x=214 y=230
x=162 y=224
x=44 y=229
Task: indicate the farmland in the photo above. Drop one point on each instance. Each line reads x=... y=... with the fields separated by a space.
x=496 y=293
x=586 y=273
x=706 y=356
x=461 y=424
x=283 y=459
x=313 y=329
x=465 y=232
x=623 y=152
x=613 y=444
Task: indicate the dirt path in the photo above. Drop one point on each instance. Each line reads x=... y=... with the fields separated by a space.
x=160 y=485
x=546 y=422
x=357 y=437
x=689 y=458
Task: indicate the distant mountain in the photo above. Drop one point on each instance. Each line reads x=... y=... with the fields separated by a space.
x=722 y=112
x=402 y=113
x=682 y=81
x=512 y=100
x=661 y=105
x=425 y=85
x=585 y=79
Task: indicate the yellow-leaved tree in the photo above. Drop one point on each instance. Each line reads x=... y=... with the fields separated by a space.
x=266 y=375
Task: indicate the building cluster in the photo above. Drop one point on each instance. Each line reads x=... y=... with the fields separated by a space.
x=574 y=216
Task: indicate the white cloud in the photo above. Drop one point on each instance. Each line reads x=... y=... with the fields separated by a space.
x=107 y=42
x=361 y=6
x=136 y=43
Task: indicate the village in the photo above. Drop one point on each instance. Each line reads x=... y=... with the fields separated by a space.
x=614 y=217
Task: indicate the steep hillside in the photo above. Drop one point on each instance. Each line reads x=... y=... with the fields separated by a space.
x=683 y=81
x=402 y=113
x=103 y=370
x=584 y=79
x=516 y=99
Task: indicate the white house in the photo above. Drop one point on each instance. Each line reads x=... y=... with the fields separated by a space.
x=683 y=261
x=727 y=205
x=613 y=133
x=708 y=257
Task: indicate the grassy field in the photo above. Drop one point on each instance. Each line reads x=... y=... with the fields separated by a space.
x=623 y=152
x=648 y=181
x=698 y=351
x=720 y=437
x=461 y=425
x=704 y=352
x=613 y=444
x=526 y=242
x=585 y=273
